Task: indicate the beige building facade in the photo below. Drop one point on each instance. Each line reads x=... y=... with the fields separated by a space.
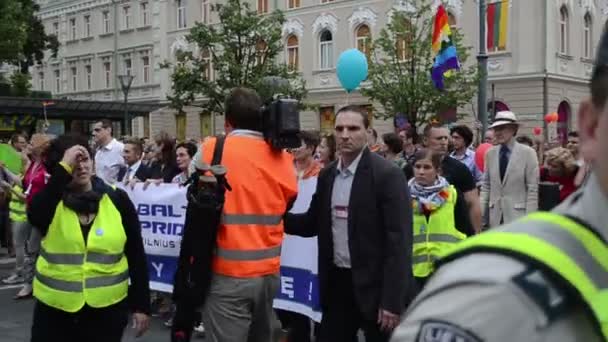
x=543 y=67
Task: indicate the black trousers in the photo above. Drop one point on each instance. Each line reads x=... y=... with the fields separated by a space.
x=342 y=317
x=89 y=324
x=298 y=325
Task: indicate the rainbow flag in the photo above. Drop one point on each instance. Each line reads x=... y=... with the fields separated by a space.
x=497 y=18
x=446 y=58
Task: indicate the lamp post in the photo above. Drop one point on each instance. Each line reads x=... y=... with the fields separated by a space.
x=482 y=59
x=125 y=84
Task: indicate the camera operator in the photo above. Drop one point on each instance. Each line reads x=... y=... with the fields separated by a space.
x=245 y=265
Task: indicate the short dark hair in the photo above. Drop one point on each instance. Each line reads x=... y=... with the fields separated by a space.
x=139 y=147
x=190 y=148
x=410 y=133
x=393 y=142
x=426 y=153
x=430 y=126
x=15 y=137
x=311 y=139
x=242 y=109
x=573 y=134
x=105 y=123
x=58 y=146
x=526 y=140
x=356 y=109
x=465 y=132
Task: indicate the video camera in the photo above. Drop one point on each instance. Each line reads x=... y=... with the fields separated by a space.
x=280 y=116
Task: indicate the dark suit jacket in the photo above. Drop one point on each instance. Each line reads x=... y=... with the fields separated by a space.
x=142 y=173
x=379 y=231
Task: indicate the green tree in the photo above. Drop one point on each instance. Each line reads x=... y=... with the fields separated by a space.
x=20 y=84
x=240 y=50
x=23 y=40
x=399 y=73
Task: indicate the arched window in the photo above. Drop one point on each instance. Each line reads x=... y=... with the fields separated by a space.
x=451 y=19
x=293 y=53
x=364 y=39
x=587 y=36
x=563 y=30
x=326 y=50
x=564 y=114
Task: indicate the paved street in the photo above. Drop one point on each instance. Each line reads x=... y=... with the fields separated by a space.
x=15 y=316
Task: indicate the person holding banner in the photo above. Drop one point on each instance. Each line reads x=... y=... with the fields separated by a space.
x=91 y=248
x=362 y=217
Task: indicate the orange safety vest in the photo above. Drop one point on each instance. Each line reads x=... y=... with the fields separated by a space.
x=251 y=232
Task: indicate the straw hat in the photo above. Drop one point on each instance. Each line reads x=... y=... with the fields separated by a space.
x=504 y=118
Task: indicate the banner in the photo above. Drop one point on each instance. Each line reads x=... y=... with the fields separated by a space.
x=299 y=288
x=162 y=213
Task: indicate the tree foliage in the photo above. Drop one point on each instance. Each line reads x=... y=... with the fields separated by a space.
x=241 y=50
x=399 y=74
x=23 y=40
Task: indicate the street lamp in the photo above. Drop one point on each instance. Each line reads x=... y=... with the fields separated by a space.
x=125 y=84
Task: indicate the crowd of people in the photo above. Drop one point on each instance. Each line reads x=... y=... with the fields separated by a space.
x=452 y=194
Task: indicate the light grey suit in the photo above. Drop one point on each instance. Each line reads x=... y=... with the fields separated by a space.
x=517 y=194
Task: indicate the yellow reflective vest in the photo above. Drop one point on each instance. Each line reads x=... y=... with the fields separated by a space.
x=434 y=235
x=558 y=243
x=70 y=274
x=17 y=206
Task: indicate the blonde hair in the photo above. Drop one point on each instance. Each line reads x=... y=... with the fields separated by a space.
x=561 y=156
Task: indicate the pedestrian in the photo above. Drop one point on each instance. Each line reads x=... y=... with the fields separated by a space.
x=561 y=168
x=34 y=180
x=20 y=228
x=542 y=278
x=326 y=150
x=462 y=138
x=246 y=263
x=184 y=152
x=441 y=218
x=133 y=170
x=164 y=167
x=108 y=157
x=362 y=218
x=91 y=249
x=409 y=138
x=392 y=148
x=509 y=188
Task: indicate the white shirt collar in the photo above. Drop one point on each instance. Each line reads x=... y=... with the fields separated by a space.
x=135 y=166
x=352 y=168
x=109 y=146
x=246 y=132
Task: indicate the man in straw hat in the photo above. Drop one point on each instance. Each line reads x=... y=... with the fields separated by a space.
x=541 y=278
x=509 y=187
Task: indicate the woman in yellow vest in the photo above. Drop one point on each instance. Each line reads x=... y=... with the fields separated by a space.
x=440 y=214
x=91 y=248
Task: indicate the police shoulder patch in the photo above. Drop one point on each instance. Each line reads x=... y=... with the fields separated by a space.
x=439 y=331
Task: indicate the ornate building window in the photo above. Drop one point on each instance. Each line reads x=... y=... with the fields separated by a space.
x=563 y=30
x=326 y=49
x=293 y=53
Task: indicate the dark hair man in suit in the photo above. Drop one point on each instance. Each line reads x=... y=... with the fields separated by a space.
x=362 y=216
x=134 y=170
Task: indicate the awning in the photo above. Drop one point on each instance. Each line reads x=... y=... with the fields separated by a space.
x=74 y=109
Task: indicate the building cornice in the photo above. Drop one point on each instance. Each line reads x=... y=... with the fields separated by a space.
x=67 y=7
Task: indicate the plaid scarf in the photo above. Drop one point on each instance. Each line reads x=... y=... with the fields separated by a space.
x=427 y=199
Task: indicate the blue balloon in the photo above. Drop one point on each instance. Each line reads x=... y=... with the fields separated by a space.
x=352 y=69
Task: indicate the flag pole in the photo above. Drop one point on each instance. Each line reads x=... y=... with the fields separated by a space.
x=482 y=59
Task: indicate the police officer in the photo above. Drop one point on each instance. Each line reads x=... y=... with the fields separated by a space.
x=541 y=278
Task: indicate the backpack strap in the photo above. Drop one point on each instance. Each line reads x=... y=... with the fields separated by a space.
x=218 y=150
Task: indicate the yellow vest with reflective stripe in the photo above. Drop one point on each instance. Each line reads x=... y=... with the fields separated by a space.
x=434 y=236
x=17 y=206
x=560 y=244
x=70 y=274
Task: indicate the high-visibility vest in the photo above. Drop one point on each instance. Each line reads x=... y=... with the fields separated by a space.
x=263 y=181
x=70 y=274
x=435 y=235
x=558 y=244
x=17 y=206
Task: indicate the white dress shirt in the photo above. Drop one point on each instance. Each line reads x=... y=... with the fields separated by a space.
x=109 y=160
